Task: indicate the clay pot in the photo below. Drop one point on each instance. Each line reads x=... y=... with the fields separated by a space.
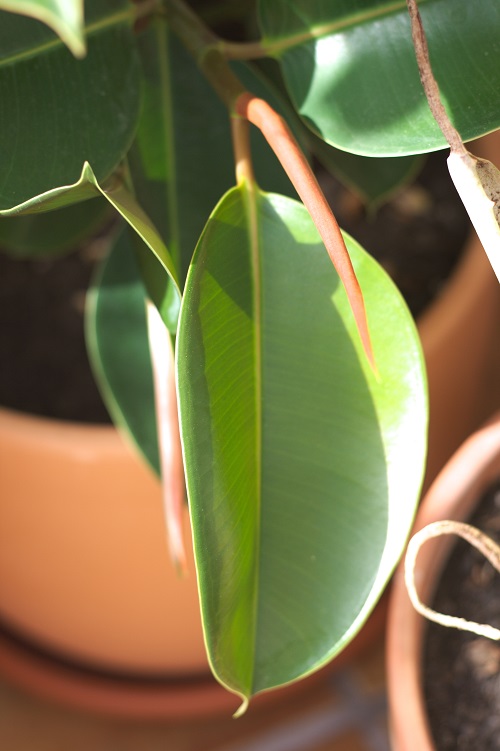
x=453 y=495
x=458 y=332
x=92 y=612
x=86 y=576
x=458 y=336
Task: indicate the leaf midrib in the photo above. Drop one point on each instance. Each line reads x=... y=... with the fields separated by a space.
x=273 y=46
x=250 y=195
x=116 y=19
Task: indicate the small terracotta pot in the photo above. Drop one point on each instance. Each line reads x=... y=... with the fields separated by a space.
x=453 y=495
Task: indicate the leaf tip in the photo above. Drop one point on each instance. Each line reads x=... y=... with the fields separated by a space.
x=77 y=47
x=242 y=708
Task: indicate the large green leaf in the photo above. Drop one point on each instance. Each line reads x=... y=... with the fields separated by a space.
x=58 y=112
x=350 y=69
x=182 y=160
x=117 y=340
x=303 y=466
x=65 y=17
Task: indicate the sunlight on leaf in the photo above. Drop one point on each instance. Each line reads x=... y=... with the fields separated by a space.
x=350 y=69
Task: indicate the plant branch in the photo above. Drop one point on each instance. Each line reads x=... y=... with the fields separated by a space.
x=240 y=132
x=475 y=537
x=429 y=83
x=195 y=35
x=145 y=8
x=199 y=40
x=280 y=138
x=202 y=43
x=243 y=50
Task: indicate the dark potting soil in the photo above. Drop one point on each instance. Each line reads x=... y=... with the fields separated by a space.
x=417 y=237
x=45 y=370
x=461 y=670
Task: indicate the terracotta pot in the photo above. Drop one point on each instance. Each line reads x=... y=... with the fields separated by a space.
x=92 y=612
x=453 y=495
x=97 y=583
x=86 y=576
x=457 y=332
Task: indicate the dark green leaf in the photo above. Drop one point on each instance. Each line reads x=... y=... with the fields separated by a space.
x=57 y=112
x=117 y=340
x=350 y=69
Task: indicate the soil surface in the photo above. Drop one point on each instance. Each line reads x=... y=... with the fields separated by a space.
x=461 y=670
x=45 y=369
x=417 y=237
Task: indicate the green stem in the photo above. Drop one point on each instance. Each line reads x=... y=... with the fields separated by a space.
x=196 y=36
x=202 y=43
x=146 y=8
x=243 y=50
x=240 y=132
x=274 y=47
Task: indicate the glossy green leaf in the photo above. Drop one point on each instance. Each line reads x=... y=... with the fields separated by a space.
x=303 y=467
x=58 y=112
x=350 y=69
x=65 y=17
x=182 y=160
x=53 y=233
x=157 y=267
x=117 y=341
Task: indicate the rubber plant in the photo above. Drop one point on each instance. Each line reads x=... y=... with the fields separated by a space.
x=230 y=319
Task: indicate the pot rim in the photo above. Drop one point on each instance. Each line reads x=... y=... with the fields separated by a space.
x=452 y=495
x=40 y=674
